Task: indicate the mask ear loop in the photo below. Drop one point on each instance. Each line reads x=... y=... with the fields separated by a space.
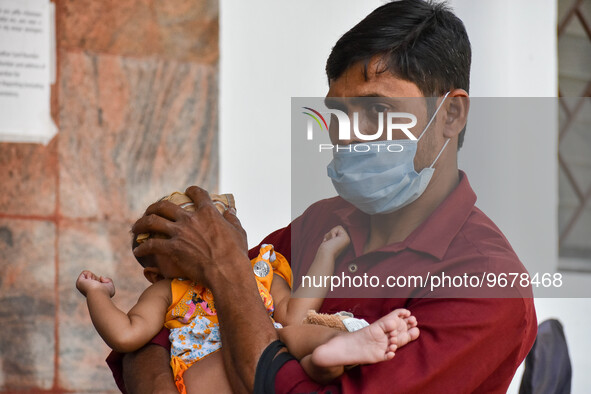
x=447 y=141
x=440 y=152
x=433 y=117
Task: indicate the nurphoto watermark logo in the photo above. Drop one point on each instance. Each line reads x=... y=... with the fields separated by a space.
x=402 y=121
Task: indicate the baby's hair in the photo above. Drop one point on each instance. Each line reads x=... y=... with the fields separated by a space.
x=145 y=261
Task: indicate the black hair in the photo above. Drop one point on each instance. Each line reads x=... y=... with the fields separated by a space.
x=420 y=41
x=145 y=261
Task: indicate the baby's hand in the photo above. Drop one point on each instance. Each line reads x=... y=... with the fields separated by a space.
x=88 y=281
x=335 y=241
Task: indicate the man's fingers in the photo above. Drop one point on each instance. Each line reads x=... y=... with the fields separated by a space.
x=230 y=216
x=199 y=196
x=153 y=224
x=165 y=209
x=152 y=246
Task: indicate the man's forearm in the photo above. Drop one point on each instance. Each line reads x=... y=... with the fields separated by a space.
x=245 y=326
x=148 y=371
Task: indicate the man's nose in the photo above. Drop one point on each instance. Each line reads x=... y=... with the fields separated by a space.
x=333 y=132
x=359 y=124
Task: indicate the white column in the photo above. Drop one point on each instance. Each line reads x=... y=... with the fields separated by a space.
x=271 y=51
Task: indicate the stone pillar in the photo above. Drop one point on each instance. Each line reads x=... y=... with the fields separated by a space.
x=136 y=106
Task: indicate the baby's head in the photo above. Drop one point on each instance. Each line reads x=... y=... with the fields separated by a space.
x=157 y=267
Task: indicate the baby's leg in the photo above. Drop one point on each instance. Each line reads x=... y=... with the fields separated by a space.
x=301 y=340
x=372 y=344
x=323 y=352
x=207 y=376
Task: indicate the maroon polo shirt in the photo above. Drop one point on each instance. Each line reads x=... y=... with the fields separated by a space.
x=466 y=344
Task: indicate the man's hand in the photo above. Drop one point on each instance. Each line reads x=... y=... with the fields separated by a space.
x=88 y=281
x=196 y=242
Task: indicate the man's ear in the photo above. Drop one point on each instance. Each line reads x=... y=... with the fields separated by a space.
x=152 y=274
x=456 y=113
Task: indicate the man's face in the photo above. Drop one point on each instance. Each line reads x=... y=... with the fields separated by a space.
x=382 y=93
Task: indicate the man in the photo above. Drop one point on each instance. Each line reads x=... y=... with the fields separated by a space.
x=408 y=48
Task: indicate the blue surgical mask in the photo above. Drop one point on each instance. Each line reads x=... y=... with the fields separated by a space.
x=380 y=182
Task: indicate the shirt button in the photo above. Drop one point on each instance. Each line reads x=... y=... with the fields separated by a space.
x=353 y=267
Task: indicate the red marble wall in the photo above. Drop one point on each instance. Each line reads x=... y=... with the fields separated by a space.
x=136 y=105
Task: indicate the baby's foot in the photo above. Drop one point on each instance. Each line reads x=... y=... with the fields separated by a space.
x=374 y=343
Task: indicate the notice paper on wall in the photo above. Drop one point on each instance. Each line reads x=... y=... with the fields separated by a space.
x=27 y=70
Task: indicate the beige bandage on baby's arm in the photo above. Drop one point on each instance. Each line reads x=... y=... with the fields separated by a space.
x=342 y=321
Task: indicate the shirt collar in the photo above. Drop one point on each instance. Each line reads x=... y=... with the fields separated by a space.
x=433 y=236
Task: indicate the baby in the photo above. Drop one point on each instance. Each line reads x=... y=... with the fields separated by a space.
x=188 y=310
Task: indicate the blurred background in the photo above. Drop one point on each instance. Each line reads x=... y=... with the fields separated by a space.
x=154 y=95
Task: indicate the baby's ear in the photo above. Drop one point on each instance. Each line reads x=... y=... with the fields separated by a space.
x=152 y=274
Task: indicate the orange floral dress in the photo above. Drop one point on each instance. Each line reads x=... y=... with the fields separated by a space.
x=192 y=317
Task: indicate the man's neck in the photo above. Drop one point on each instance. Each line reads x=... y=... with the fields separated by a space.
x=396 y=226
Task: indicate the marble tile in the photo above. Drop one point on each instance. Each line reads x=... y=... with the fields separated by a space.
x=27 y=304
x=132 y=130
x=105 y=249
x=28 y=175
x=136 y=103
x=189 y=29
x=184 y=30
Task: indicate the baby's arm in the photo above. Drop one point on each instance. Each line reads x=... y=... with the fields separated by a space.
x=124 y=332
x=290 y=310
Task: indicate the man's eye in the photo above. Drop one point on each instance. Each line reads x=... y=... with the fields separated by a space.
x=379 y=108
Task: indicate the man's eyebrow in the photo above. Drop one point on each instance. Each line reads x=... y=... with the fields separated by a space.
x=367 y=99
x=335 y=102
